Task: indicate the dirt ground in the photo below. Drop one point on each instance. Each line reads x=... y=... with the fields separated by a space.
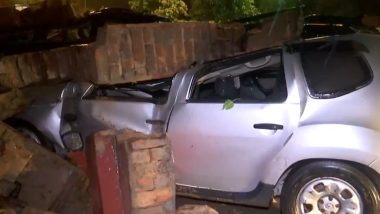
x=226 y=208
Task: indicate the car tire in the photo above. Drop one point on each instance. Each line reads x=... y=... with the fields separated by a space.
x=329 y=187
x=31 y=133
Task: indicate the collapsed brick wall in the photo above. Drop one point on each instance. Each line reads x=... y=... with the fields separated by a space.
x=131 y=173
x=148 y=51
x=33 y=178
x=133 y=52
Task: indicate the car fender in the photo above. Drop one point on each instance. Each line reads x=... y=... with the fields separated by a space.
x=325 y=141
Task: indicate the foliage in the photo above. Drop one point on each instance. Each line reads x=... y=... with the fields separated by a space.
x=229 y=10
x=172 y=9
x=222 y=10
x=228 y=104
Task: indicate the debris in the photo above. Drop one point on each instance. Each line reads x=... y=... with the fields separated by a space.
x=39 y=178
x=196 y=209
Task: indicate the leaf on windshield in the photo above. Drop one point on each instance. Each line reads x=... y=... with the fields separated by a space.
x=228 y=104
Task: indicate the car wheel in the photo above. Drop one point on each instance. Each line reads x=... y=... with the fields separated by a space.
x=31 y=133
x=329 y=187
x=35 y=136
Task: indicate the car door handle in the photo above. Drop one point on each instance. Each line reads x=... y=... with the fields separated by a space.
x=269 y=126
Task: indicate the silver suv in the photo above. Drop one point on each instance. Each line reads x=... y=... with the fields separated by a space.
x=300 y=121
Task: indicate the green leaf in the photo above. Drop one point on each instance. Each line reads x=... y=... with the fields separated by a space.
x=228 y=104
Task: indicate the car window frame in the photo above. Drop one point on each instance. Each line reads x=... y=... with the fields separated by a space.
x=153 y=100
x=236 y=60
x=315 y=95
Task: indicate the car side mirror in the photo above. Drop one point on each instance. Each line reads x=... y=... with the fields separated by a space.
x=77 y=90
x=69 y=131
x=70 y=97
x=71 y=138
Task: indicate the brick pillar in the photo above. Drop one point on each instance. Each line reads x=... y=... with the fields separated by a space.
x=131 y=173
x=151 y=176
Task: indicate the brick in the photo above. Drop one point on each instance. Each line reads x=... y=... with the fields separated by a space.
x=161 y=34
x=160 y=153
x=188 y=44
x=189 y=50
x=162 y=180
x=115 y=71
x=188 y=30
x=160 y=50
x=101 y=64
x=163 y=166
x=164 y=194
x=137 y=44
x=144 y=199
x=148 y=143
x=161 y=65
x=140 y=156
x=205 y=35
x=152 y=198
x=145 y=183
x=198 y=44
x=50 y=58
x=126 y=44
x=39 y=66
x=113 y=53
x=113 y=40
x=150 y=59
x=126 y=55
x=161 y=55
x=216 y=49
x=148 y=34
x=128 y=135
x=178 y=48
x=10 y=76
x=146 y=169
x=24 y=68
x=169 y=59
x=140 y=72
x=87 y=65
x=68 y=65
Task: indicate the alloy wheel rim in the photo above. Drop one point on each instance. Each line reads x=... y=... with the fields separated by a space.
x=329 y=195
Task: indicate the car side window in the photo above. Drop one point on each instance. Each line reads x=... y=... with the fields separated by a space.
x=254 y=79
x=336 y=68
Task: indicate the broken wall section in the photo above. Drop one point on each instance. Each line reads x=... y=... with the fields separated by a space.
x=131 y=173
x=134 y=52
x=32 y=177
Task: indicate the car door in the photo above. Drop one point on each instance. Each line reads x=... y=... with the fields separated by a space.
x=235 y=116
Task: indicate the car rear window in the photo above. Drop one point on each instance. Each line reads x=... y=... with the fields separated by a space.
x=334 y=68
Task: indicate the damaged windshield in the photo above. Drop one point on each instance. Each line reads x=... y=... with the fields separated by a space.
x=155 y=91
